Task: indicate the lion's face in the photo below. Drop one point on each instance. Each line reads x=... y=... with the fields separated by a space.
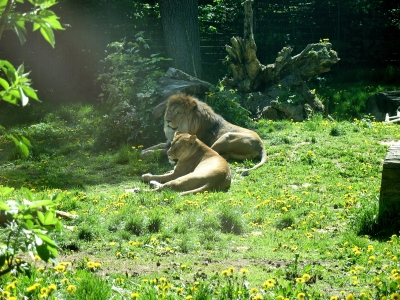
x=181 y=147
x=179 y=115
x=173 y=116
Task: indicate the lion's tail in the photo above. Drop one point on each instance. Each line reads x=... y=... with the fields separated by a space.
x=245 y=172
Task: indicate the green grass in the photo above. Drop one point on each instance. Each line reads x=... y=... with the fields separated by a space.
x=303 y=226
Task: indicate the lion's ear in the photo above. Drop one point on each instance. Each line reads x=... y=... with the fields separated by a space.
x=192 y=138
x=192 y=102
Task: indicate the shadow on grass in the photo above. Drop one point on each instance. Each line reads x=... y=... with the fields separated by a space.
x=377 y=225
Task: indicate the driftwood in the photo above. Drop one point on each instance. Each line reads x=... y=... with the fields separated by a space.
x=176 y=81
x=281 y=86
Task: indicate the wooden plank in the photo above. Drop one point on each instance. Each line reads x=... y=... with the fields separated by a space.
x=389 y=201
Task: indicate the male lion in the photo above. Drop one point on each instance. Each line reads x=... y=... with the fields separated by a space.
x=185 y=113
x=198 y=169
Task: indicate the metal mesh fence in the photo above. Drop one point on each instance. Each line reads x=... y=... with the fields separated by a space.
x=70 y=69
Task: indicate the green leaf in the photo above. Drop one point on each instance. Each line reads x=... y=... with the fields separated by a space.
x=53 y=251
x=49 y=218
x=20 y=70
x=43 y=252
x=51 y=18
x=24 y=98
x=4 y=84
x=24 y=149
x=27 y=194
x=4 y=206
x=47 y=240
x=38 y=241
x=47 y=33
x=20 y=33
x=26 y=141
x=6 y=190
x=40 y=216
x=41 y=203
x=28 y=223
x=30 y=92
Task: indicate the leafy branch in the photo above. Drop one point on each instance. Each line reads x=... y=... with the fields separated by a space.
x=27 y=228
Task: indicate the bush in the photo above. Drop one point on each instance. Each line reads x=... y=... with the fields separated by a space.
x=227 y=104
x=128 y=83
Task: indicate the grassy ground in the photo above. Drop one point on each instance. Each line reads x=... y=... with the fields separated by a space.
x=303 y=226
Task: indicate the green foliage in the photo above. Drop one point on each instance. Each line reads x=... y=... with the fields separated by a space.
x=227 y=103
x=40 y=16
x=16 y=84
x=128 y=83
x=27 y=230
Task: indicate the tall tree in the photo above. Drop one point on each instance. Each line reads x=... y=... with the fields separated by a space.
x=181 y=32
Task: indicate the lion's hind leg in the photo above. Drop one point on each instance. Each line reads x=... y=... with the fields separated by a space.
x=201 y=189
x=177 y=186
x=236 y=145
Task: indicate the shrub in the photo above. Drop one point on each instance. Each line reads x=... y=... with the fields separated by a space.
x=128 y=82
x=227 y=104
x=27 y=229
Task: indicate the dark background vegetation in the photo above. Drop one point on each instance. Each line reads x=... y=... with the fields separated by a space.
x=364 y=33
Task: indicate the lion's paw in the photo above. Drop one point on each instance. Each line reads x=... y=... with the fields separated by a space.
x=134 y=190
x=155 y=184
x=146 y=177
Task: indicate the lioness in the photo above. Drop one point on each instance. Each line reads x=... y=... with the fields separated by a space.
x=185 y=113
x=198 y=169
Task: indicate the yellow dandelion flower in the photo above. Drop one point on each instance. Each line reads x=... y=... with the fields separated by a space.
x=395 y=296
x=350 y=297
x=300 y=280
x=267 y=286
x=134 y=296
x=52 y=287
x=334 y=298
x=306 y=277
x=60 y=268
x=244 y=271
x=12 y=285
x=189 y=297
x=33 y=287
x=5 y=295
x=254 y=290
x=225 y=272
x=301 y=296
x=71 y=289
x=257 y=297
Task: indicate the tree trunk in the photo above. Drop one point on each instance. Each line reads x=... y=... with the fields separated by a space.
x=181 y=32
x=277 y=90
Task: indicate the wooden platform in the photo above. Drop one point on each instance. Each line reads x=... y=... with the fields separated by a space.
x=389 y=201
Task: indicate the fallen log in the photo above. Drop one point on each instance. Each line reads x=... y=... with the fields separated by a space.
x=283 y=81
